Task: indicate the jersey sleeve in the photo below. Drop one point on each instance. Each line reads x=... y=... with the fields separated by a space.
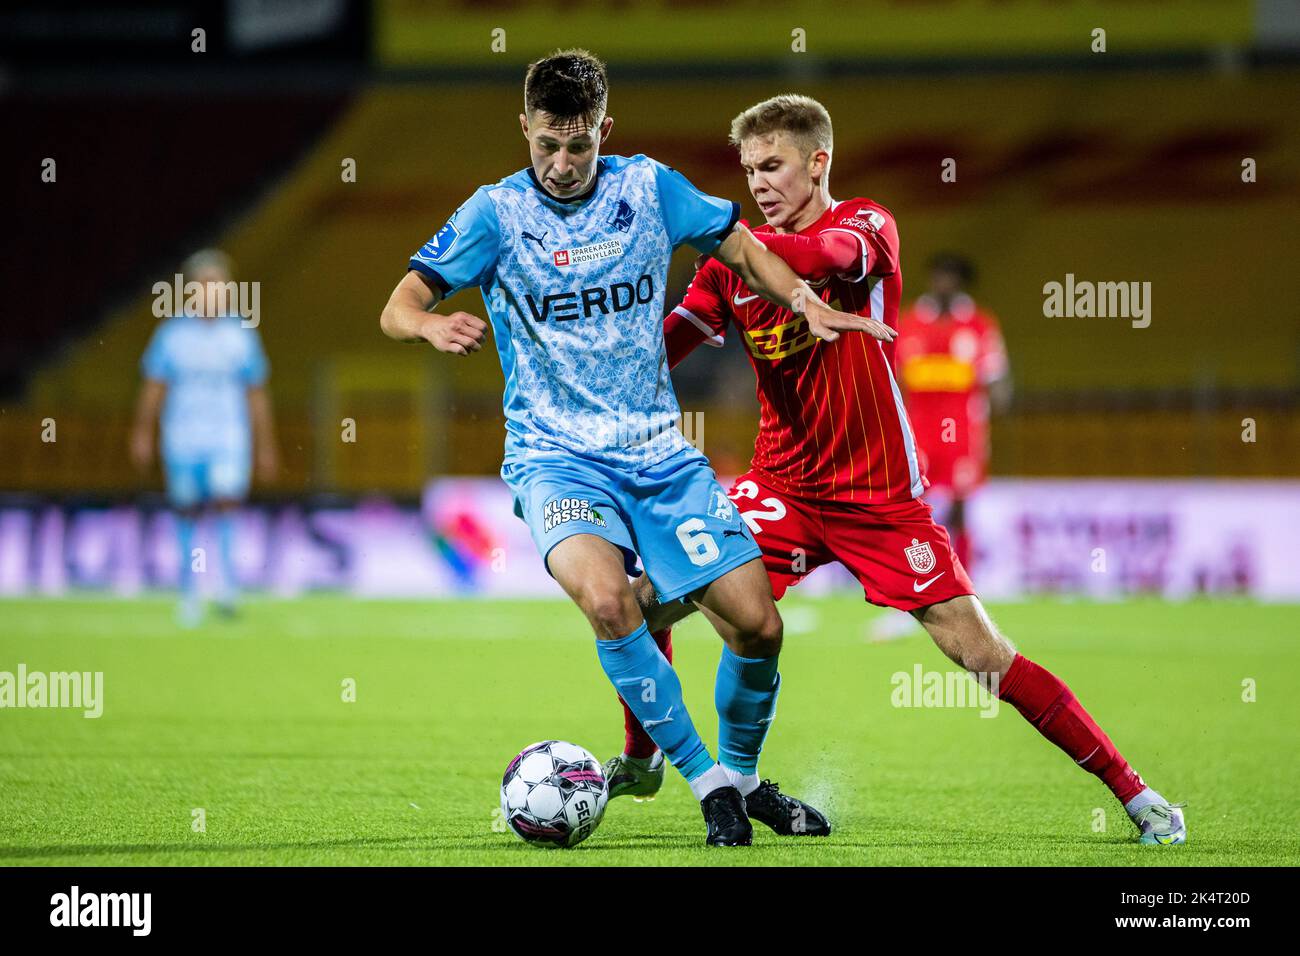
x=701 y=318
x=255 y=368
x=464 y=252
x=827 y=253
x=156 y=362
x=691 y=217
x=873 y=227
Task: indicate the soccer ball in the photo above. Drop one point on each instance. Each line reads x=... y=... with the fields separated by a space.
x=553 y=794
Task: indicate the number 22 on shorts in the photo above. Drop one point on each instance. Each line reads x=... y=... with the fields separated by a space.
x=775 y=507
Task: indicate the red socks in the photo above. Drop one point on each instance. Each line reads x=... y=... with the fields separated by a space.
x=638 y=742
x=1056 y=713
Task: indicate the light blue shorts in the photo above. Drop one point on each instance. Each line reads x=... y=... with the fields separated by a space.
x=196 y=479
x=674 y=514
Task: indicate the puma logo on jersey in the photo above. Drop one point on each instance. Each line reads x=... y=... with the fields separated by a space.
x=540 y=245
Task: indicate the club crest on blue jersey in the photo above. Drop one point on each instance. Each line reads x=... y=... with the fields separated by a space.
x=623 y=216
x=442 y=243
x=720 y=507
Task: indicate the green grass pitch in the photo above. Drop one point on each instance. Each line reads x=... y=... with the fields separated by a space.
x=245 y=720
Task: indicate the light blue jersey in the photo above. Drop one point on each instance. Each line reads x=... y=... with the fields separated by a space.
x=208 y=365
x=575 y=293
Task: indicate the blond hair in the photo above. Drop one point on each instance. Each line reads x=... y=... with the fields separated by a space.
x=806 y=120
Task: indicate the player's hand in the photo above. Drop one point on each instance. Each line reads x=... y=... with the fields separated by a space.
x=459 y=333
x=827 y=323
x=141 y=448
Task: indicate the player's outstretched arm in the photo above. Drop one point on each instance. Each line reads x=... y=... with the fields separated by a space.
x=820 y=256
x=408 y=317
x=769 y=276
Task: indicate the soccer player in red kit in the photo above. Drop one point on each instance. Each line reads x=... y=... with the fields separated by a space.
x=952 y=366
x=836 y=474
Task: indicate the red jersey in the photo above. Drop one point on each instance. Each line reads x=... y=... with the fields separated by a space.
x=833 y=424
x=946 y=362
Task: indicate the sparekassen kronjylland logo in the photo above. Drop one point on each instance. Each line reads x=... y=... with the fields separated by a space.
x=606 y=249
x=76 y=908
x=78 y=690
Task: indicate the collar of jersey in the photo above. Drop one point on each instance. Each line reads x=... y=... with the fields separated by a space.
x=595 y=182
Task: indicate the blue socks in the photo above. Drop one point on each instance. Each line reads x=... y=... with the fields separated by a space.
x=647 y=682
x=745 y=695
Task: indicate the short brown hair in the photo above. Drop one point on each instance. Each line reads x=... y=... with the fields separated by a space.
x=802 y=117
x=568 y=85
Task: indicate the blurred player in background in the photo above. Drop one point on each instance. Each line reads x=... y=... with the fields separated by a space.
x=952 y=366
x=836 y=475
x=205 y=381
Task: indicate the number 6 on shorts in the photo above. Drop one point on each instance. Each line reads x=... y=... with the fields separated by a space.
x=696 y=542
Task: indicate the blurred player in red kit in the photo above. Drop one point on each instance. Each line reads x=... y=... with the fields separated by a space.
x=952 y=366
x=836 y=475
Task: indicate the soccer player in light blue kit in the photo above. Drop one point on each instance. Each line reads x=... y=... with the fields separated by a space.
x=571 y=256
x=205 y=377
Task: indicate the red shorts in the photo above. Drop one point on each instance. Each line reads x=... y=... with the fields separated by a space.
x=899 y=555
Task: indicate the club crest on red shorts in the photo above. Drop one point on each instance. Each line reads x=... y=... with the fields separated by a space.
x=920 y=556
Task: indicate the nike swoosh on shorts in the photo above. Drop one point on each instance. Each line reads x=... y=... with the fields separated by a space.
x=918 y=587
